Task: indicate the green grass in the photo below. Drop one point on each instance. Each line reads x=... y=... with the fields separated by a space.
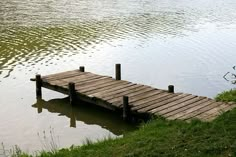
x=227 y=96
x=160 y=137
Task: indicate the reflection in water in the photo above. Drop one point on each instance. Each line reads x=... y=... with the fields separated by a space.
x=87 y=113
x=26 y=46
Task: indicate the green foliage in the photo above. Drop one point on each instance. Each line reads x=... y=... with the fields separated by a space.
x=227 y=96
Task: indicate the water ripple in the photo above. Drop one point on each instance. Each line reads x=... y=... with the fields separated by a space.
x=29 y=31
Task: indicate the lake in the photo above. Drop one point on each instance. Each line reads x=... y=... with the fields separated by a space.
x=190 y=44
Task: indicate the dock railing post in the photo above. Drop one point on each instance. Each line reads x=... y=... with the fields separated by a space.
x=126 y=108
x=118 y=71
x=81 y=68
x=71 y=86
x=38 y=86
x=171 y=89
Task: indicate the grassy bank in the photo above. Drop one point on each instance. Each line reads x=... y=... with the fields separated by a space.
x=227 y=96
x=160 y=137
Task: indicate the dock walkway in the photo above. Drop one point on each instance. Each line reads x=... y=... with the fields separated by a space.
x=132 y=98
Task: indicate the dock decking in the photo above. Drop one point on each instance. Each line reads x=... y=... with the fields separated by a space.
x=132 y=98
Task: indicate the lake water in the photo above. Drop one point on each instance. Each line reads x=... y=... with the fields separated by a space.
x=190 y=44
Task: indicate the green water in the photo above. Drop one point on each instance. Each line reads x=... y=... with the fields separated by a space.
x=190 y=44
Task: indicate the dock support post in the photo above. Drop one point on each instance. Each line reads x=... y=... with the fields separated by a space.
x=81 y=68
x=126 y=108
x=72 y=118
x=171 y=89
x=39 y=105
x=72 y=92
x=118 y=71
x=38 y=86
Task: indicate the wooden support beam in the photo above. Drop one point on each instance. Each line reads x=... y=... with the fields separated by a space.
x=72 y=92
x=171 y=89
x=38 y=86
x=81 y=68
x=126 y=108
x=118 y=71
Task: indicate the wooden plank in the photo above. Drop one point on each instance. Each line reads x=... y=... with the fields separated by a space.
x=154 y=105
x=181 y=105
x=65 y=77
x=84 y=90
x=181 y=110
x=80 y=79
x=61 y=73
x=160 y=109
x=56 y=83
x=192 y=109
x=230 y=107
x=88 y=79
x=147 y=88
x=139 y=95
x=119 y=98
x=213 y=116
x=116 y=91
x=201 y=110
x=214 y=111
x=93 y=84
x=155 y=99
x=140 y=89
x=61 y=76
x=145 y=99
x=123 y=92
x=83 y=82
x=136 y=97
x=143 y=95
x=153 y=92
x=64 y=82
x=110 y=89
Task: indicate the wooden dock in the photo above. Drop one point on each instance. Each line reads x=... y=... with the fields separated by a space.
x=131 y=98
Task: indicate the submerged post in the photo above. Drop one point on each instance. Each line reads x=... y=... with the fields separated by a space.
x=71 y=86
x=81 y=68
x=171 y=89
x=38 y=86
x=126 y=108
x=118 y=72
x=39 y=105
x=72 y=118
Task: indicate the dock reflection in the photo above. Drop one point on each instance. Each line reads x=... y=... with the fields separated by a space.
x=87 y=113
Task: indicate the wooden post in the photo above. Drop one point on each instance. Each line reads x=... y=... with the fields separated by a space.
x=38 y=86
x=72 y=92
x=39 y=105
x=72 y=118
x=81 y=68
x=126 y=108
x=171 y=89
x=118 y=72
